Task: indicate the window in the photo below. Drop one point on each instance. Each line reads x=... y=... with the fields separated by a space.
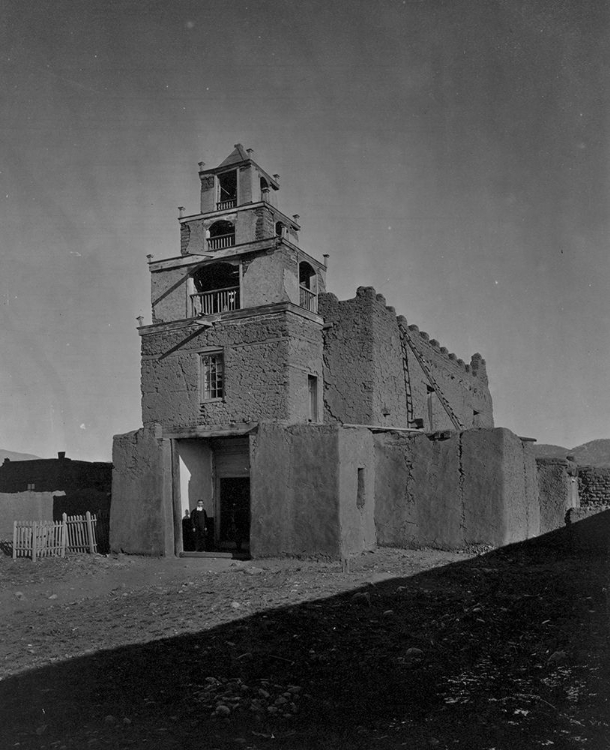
x=430 y=403
x=360 y=490
x=312 y=388
x=212 y=376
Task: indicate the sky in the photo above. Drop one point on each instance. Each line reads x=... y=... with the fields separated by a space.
x=453 y=154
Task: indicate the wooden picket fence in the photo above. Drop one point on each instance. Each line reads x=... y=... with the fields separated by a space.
x=72 y=534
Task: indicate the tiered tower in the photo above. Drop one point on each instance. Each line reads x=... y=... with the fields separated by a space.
x=235 y=335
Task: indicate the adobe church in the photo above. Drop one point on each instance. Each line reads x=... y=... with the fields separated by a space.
x=317 y=426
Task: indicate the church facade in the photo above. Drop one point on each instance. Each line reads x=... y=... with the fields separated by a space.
x=306 y=424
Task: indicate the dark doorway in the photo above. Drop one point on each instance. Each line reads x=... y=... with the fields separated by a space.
x=234 y=531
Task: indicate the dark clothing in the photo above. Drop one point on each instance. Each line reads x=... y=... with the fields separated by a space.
x=199 y=519
x=188 y=535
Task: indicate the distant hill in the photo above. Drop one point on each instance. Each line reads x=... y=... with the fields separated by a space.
x=594 y=453
x=543 y=450
x=16 y=456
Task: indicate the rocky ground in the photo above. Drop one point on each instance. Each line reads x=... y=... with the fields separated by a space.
x=414 y=649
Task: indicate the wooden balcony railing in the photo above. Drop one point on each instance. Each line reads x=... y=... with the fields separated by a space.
x=220 y=242
x=215 y=301
x=222 y=205
x=308 y=299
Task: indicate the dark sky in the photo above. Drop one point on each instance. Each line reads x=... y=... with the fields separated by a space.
x=451 y=153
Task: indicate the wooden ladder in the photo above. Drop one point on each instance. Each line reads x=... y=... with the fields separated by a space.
x=405 y=336
x=407 y=376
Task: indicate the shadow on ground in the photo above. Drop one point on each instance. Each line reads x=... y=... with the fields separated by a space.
x=503 y=651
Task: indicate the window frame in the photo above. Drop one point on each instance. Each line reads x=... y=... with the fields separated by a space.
x=209 y=391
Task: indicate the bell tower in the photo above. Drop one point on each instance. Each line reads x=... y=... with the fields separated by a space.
x=236 y=337
x=237 y=181
x=241 y=227
x=238 y=205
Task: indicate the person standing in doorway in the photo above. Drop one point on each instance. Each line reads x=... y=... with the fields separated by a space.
x=199 y=519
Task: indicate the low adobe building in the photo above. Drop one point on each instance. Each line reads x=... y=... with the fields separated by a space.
x=42 y=489
x=317 y=426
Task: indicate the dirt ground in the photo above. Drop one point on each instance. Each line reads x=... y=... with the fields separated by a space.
x=416 y=649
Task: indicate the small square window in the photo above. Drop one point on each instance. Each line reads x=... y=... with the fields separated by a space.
x=212 y=376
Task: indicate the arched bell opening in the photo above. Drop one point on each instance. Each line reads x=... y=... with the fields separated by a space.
x=227 y=190
x=216 y=289
x=308 y=287
x=221 y=235
x=265 y=190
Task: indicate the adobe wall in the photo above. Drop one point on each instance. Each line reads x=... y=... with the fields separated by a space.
x=356 y=491
x=141 y=516
x=499 y=471
x=23 y=506
x=249 y=185
x=294 y=488
x=348 y=358
x=475 y=488
x=260 y=353
x=465 y=386
x=364 y=372
x=207 y=200
x=305 y=357
x=193 y=240
x=389 y=388
x=274 y=277
x=556 y=491
x=270 y=278
x=594 y=486
x=259 y=223
x=169 y=293
x=308 y=497
x=417 y=497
